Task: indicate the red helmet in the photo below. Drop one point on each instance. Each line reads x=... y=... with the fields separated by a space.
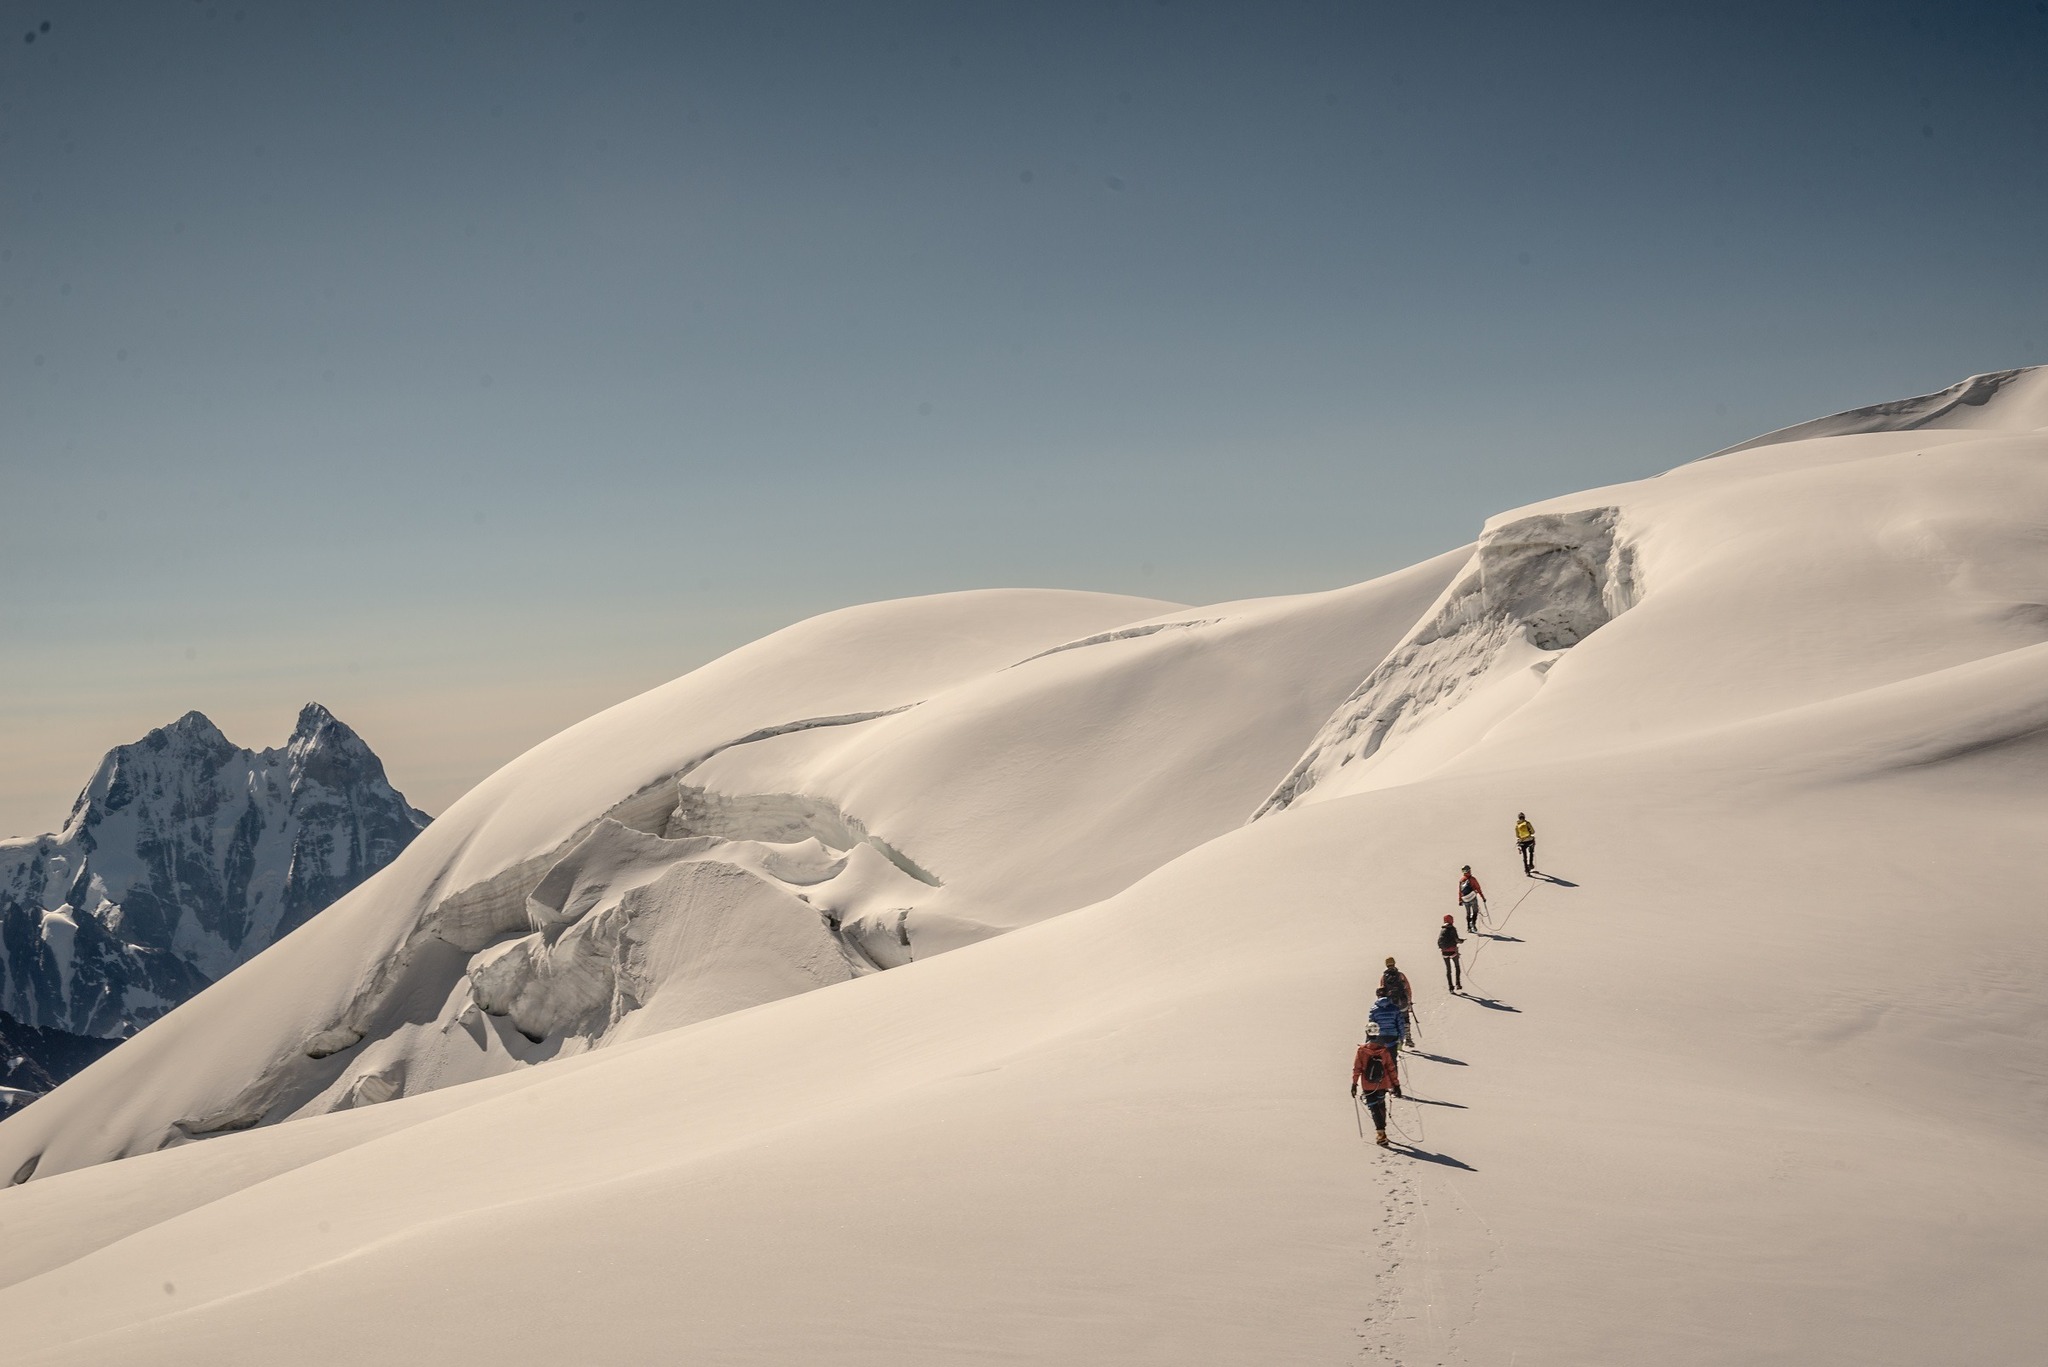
x=1447 y=920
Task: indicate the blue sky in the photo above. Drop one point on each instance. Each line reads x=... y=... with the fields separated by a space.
x=468 y=368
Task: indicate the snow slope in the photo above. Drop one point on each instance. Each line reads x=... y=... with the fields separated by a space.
x=1754 y=1076
x=728 y=846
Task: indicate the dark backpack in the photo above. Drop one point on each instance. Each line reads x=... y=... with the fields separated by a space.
x=1375 y=1068
x=1447 y=938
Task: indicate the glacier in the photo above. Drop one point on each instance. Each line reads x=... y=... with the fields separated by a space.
x=977 y=976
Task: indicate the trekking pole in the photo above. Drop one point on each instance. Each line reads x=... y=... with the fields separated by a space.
x=1357 y=1116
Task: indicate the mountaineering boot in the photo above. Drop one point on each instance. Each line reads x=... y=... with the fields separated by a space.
x=1381 y=1140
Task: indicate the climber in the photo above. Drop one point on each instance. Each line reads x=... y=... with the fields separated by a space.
x=1448 y=941
x=1375 y=1071
x=1470 y=895
x=1525 y=841
x=1394 y=984
x=1392 y=1024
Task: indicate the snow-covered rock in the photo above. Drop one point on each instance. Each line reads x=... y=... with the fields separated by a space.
x=185 y=856
x=34 y=1059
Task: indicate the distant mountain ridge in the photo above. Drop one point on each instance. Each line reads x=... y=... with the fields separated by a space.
x=185 y=856
x=33 y=1061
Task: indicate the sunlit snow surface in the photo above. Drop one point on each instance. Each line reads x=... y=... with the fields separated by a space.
x=1048 y=1039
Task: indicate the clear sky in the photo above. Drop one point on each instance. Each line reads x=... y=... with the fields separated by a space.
x=470 y=367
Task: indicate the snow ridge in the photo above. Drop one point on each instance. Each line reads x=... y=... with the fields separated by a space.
x=1123 y=634
x=1998 y=400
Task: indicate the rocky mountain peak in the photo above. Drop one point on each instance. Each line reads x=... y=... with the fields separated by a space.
x=317 y=723
x=194 y=727
x=184 y=856
x=325 y=750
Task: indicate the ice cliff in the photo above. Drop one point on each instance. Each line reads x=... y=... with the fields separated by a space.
x=1535 y=587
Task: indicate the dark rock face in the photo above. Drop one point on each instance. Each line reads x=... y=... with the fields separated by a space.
x=33 y=1061
x=185 y=856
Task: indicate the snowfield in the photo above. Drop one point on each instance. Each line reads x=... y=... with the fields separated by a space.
x=976 y=978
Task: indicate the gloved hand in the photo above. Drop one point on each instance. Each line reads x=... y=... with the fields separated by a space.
x=1354 y=1091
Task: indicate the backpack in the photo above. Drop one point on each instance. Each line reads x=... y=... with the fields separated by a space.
x=1447 y=939
x=1375 y=1067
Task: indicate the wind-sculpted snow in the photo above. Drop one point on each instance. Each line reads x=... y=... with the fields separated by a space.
x=1536 y=587
x=789 y=728
x=1124 y=634
x=2000 y=401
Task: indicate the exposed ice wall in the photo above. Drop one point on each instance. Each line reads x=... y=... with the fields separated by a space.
x=1535 y=587
x=677 y=905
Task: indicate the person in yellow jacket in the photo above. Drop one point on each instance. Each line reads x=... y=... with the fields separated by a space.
x=1525 y=841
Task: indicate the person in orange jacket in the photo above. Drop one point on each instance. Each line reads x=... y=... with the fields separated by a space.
x=1374 y=1073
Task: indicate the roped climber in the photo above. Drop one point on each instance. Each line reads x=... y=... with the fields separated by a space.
x=1375 y=1071
x=1470 y=895
x=1391 y=1022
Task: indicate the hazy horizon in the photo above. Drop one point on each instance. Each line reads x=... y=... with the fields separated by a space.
x=469 y=372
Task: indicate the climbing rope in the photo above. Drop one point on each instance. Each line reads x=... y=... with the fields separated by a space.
x=1397 y=1127
x=1473 y=966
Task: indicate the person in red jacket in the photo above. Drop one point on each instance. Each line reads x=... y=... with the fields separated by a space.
x=1374 y=1073
x=1469 y=897
x=1448 y=941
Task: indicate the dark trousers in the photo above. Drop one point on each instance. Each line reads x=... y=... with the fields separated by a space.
x=1528 y=849
x=1454 y=972
x=1376 y=1102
